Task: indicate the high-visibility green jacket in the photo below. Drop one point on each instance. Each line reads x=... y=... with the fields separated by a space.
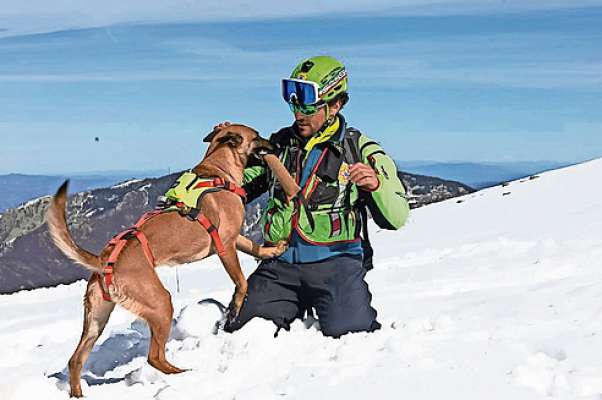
x=321 y=167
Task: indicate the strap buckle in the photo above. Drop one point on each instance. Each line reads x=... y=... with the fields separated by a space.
x=192 y=213
x=130 y=234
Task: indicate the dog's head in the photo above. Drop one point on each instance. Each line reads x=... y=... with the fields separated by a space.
x=243 y=140
x=245 y=143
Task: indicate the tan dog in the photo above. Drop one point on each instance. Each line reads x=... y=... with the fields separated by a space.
x=173 y=239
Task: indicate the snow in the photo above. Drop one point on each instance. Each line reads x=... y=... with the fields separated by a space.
x=33 y=202
x=93 y=212
x=125 y=183
x=495 y=297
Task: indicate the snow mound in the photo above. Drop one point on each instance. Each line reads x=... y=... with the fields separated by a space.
x=496 y=295
x=198 y=320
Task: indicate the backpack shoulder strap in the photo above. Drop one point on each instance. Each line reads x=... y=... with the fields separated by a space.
x=352 y=156
x=351 y=145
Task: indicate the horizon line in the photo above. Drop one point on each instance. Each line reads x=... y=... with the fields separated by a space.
x=168 y=170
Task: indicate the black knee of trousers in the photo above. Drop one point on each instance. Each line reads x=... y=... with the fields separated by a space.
x=340 y=330
x=341 y=297
x=272 y=294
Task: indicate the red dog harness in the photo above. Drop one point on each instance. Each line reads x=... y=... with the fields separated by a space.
x=120 y=240
x=222 y=184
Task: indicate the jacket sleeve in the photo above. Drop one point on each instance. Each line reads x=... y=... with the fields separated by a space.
x=387 y=203
x=255 y=181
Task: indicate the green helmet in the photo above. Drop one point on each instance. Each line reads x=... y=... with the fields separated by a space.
x=327 y=72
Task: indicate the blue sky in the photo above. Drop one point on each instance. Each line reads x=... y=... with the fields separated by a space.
x=449 y=81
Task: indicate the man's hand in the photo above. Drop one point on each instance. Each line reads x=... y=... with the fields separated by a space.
x=363 y=176
x=222 y=125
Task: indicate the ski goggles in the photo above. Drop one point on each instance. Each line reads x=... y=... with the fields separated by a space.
x=309 y=109
x=300 y=92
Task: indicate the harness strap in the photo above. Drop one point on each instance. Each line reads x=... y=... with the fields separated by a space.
x=145 y=247
x=227 y=185
x=119 y=241
x=194 y=214
x=212 y=231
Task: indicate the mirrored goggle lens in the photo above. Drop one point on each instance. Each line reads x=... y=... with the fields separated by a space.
x=306 y=110
x=295 y=91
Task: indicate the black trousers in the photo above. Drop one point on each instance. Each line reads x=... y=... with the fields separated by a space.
x=280 y=292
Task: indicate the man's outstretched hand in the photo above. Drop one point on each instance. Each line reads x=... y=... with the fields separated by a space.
x=222 y=125
x=363 y=176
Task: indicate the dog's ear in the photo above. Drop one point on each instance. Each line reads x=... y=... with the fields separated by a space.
x=231 y=138
x=210 y=136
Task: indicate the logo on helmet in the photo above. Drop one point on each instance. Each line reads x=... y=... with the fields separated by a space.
x=307 y=65
x=332 y=79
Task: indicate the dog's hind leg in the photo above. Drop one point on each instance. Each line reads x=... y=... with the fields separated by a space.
x=159 y=322
x=96 y=315
x=148 y=298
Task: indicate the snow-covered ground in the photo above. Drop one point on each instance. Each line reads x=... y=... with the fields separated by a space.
x=495 y=297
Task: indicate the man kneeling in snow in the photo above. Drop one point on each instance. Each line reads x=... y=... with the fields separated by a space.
x=341 y=172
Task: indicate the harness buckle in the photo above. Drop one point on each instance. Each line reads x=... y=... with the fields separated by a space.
x=183 y=209
x=192 y=213
x=130 y=234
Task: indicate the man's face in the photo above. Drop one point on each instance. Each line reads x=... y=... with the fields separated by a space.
x=310 y=124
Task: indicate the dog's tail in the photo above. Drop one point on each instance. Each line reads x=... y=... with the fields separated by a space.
x=59 y=232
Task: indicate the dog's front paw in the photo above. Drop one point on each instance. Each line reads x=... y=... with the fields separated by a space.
x=281 y=247
x=275 y=251
x=231 y=314
x=233 y=310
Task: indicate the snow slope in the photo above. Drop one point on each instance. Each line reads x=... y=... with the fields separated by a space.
x=494 y=297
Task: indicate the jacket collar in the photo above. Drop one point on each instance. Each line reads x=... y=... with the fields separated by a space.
x=335 y=141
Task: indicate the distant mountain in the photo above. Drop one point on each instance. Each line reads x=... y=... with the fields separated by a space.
x=478 y=175
x=423 y=190
x=29 y=260
x=19 y=188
